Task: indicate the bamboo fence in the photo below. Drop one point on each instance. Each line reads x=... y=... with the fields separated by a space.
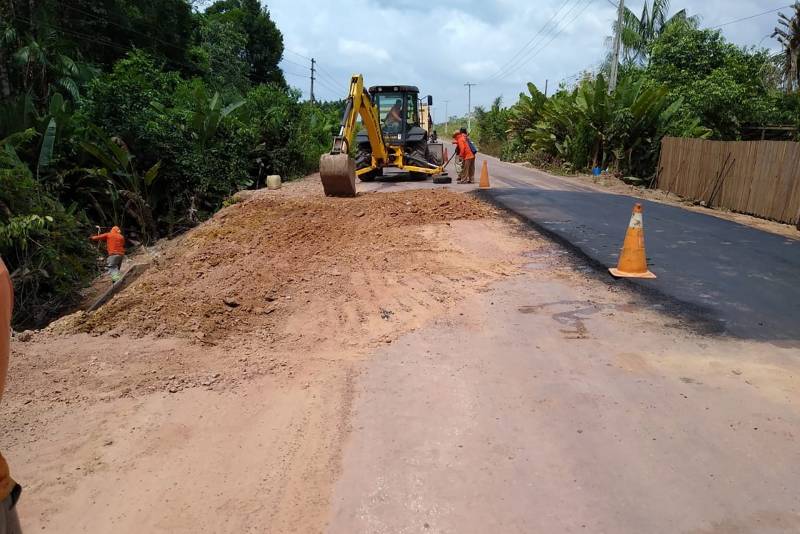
x=760 y=178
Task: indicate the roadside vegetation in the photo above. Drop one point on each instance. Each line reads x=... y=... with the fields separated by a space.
x=676 y=79
x=143 y=115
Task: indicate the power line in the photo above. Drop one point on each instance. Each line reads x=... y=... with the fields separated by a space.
x=284 y=60
x=295 y=73
x=319 y=81
x=296 y=53
x=131 y=30
x=751 y=17
x=510 y=64
x=330 y=88
x=558 y=30
x=329 y=85
x=151 y=37
x=330 y=79
x=333 y=80
x=90 y=39
x=535 y=52
x=521 y=50
x=176 y=47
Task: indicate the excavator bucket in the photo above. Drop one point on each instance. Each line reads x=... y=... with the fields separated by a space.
x=338 y=173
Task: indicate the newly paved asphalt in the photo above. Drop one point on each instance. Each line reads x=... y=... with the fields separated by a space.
x=737 y=280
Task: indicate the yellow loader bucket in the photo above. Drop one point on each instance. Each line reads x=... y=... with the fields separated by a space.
x=338 y=173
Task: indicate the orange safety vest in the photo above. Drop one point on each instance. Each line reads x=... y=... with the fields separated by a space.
x=115 y=242
x=463 y=147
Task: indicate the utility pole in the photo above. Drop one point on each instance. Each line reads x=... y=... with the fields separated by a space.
x=446 y=118
x=545 y=87
x=313 y=72
x=469 y=104
x=612 y=83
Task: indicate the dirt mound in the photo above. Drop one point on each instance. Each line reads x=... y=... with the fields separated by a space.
x=255 y=262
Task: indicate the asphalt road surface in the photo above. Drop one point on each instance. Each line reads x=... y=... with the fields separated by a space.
x=732 y=278
x=551 y=405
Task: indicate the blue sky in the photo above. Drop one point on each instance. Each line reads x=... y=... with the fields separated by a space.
x=440 y=45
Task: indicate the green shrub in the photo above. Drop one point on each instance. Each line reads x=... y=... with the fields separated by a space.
x=202 y=148
x=44 y=245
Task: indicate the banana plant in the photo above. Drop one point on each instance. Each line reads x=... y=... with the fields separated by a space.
x=132 y=192
x=208 y=114
x=622 y=129
x=526 y=112
x=52 y=69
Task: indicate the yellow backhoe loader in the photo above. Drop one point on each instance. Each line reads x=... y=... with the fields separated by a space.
x=391 y=138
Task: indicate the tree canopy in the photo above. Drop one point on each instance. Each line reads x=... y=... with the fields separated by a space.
x=141 y=114
x=679 y=80
x=264 y=47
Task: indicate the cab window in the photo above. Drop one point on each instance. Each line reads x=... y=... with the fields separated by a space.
x=388 y=102
x=411 y=109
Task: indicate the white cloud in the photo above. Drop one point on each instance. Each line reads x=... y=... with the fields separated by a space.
x=441 y=45
x=355 y=49
x=479 y=68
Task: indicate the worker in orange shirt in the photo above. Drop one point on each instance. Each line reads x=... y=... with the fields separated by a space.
x=9 y=490
x=115 y=244
x=467 y=174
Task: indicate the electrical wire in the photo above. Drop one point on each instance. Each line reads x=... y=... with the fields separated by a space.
x=296 y=53
x=537 y=50
x=93 y=39
x=284 y=60
x=499 y=73
x=74 y=34
x=131 y=30
x=750 y=17
x=330 y=88
x=324 y=72
x=333 y=83
x=577 y=15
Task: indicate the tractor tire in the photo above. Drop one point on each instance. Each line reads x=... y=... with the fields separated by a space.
x=370 y=176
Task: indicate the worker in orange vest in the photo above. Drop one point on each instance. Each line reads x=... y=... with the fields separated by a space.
x=115 y=244
x=467 y=174
x=9 y=490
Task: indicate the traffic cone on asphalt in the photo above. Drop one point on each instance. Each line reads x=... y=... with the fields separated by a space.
x=484 y=176
x=632 y=259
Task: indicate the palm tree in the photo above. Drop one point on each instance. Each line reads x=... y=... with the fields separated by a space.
x=47 y=68
x=638 y=33
x=788 y=34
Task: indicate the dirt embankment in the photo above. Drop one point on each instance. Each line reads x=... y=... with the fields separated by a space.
x=255 y=323
x=278 y=275
x=258 y=262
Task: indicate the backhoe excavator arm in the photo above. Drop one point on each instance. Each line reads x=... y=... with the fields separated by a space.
x=337 y=169
x=359 y=103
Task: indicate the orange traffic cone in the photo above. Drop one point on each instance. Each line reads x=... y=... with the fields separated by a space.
x=484 y=176
x=632 y=259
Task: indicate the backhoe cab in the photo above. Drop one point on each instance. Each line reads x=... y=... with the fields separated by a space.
x=391 y=137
